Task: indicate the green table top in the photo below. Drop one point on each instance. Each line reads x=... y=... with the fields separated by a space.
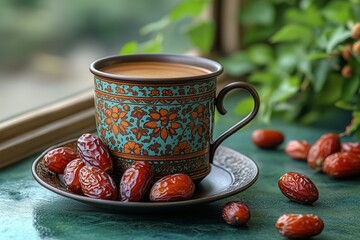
x=29 y=211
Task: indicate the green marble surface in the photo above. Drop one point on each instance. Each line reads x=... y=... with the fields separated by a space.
x=29 y=211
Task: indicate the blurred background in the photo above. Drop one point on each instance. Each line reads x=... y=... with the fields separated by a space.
x=303 y=56
x=46 y=46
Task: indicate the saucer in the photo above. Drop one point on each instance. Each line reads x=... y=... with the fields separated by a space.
x=231 y=173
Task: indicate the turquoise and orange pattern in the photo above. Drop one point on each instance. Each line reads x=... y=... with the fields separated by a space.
x=169 y=125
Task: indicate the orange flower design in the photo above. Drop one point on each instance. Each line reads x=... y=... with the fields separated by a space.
x=199 y=120
x=167 y=93
x=132 y=147
x=109 y=88
x=139 y=132
x=138 y=113
x=112 y=117
x=120 y=90
x=182 y=147
x=163 y=122
x=154 y=93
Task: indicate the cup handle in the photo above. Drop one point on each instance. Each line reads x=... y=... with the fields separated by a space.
x=220 y=107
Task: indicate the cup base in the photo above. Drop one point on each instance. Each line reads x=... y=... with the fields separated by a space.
x=163 y=168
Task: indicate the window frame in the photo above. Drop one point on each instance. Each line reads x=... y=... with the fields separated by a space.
x=34 y=131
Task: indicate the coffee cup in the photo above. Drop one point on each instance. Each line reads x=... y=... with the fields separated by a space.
x=160 y=108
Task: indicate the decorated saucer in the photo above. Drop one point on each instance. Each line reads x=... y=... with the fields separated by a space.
x=231 y=173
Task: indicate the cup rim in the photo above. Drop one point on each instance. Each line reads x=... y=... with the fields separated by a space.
x=214 y=67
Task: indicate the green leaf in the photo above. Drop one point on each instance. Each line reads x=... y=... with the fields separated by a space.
x=260 y=54
x=216 y=116
x=337 y=36
x=257 y=33
x=311 y=16
x=331 y=91
x=265 y=111
x=356 y=10
x=289 y=112
x=350 y=87
x=289 y=56
x=292 y=32
x=152 y=46
x=257 y=12
x=311 y=117
x=237 y=64
x=288 y=88
x=345 y=105
x=155 y=26
x=338 y=11
x=290 y=2
x=128 y=48
x=188 y=8
x=244 y=106
x=354 y=126
x=266 y=77
x=322 y=68
x=317 y=56
x=202 y=35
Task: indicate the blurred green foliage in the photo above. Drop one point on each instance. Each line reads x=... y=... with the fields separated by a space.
x=56 y=27
x=291 y=51
x=200 y=33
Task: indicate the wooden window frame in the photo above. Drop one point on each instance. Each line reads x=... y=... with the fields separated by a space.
x=32 y=132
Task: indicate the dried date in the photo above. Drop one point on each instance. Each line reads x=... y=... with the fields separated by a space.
x=93 y=151
x=324 y=146
x=298 y=187
x=299 y=225
x=71 y=175
x=267 y=138
x=96 y=183
x=136 y=181
x=297 y=149
x=57 y=159
x=175 y=187
x=236 y=213
x=342 y=165
x=353 y=147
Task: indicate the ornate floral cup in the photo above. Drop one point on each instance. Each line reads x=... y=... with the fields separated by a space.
x=166 y=120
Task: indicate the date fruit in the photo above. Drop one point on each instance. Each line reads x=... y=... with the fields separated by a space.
x=326 y=145
x=93 y=151
x=267 y=138
x=299 y=225
x=353 y=147
x=175 y=187
x=297 y=149
x=236 y=213
x=57 y=159
x=136 y=181
x=342 y=164
x=96 y=183
x=298 y=188
x=71 y=175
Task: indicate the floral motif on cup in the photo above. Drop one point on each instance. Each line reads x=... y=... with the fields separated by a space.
x=132 y=148
x=163 y=122
x=121 y=89
x=182 y=148
x=167 y=92
x=113 y=116
x=199 y=120
x=155 y=120
x=138 y=113
x=139 y=132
